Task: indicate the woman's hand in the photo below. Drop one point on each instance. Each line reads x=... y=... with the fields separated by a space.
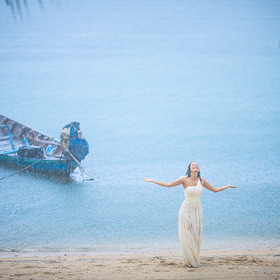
x=148 y=180
x=230 y=186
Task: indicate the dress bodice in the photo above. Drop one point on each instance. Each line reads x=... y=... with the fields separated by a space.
x=193 y=193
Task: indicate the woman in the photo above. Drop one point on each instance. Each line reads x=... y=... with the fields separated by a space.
x=190 y=214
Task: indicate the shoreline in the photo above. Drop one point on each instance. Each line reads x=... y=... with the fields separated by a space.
x=146 y=248
x=243 y=264
x=59 y=253
x=138 y=249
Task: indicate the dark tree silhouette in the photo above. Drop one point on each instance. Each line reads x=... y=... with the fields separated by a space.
x=17 y=7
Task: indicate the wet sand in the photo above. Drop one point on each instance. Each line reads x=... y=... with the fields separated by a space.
x=263 y=264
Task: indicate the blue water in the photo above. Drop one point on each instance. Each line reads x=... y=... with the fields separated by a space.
x=154 y=85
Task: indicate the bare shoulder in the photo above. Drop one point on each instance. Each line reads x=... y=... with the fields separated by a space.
x=203 y=181
x=184 y=181
x=183 y=178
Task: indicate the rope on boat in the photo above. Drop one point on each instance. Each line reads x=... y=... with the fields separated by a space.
x=18 y=172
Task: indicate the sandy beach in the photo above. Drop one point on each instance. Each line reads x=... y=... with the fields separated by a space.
x=264 y=264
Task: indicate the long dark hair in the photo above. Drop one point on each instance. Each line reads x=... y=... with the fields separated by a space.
x=188 y=173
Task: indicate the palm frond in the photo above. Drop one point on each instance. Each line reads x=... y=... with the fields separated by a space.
x=17 y=7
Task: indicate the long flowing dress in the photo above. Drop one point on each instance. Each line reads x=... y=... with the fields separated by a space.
x=190 y=225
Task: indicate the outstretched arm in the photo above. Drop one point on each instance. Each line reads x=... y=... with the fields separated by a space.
x=213 y=189
x=164 y=184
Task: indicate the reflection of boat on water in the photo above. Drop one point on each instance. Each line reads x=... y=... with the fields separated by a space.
x=29 y=149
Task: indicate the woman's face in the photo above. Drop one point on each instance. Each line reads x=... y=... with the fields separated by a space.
x=194 y=167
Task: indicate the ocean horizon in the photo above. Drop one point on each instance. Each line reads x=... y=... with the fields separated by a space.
x=154 y=85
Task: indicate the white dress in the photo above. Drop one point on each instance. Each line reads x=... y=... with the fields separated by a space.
x=190 y=225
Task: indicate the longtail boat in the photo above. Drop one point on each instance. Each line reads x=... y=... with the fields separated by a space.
x=29 y=149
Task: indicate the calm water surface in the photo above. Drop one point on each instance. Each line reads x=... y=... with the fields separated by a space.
x=154 y=85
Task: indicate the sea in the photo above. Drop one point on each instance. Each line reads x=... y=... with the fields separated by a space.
x=154 y=85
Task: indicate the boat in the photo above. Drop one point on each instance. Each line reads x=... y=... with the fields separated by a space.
x=25 y=148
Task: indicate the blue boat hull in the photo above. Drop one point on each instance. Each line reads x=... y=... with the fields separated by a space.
x=57 y=167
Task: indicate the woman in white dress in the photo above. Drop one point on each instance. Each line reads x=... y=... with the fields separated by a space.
x=190 y=214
